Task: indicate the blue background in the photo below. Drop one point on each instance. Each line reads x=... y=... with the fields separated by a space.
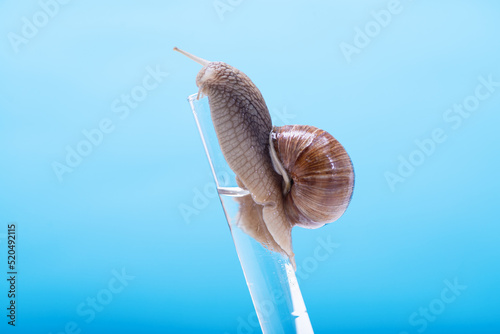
x=124 y=206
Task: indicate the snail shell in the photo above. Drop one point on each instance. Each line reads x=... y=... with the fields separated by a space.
x=320 y=174
x=317 y=181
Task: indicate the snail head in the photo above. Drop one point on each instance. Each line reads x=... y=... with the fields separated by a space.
x=213 y=73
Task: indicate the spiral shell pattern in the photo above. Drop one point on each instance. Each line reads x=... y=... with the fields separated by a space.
x=321 y=173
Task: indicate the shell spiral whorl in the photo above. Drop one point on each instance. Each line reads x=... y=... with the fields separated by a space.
x=321 y=173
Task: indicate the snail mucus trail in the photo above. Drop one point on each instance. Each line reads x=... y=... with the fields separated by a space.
x=296 y=174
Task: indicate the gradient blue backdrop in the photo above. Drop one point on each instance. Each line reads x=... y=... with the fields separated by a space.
x=123 y=208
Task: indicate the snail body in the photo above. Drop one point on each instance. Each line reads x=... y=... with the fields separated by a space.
x=296 y=175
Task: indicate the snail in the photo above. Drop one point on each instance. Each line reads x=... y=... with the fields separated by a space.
x=297 y=175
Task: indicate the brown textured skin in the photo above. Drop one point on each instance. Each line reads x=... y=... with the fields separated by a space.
x=243 y=124
x=250 y=219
